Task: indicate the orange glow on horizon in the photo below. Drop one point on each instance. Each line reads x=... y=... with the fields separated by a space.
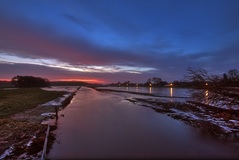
x=5 y=79
x=80 y=80
x=66 y=79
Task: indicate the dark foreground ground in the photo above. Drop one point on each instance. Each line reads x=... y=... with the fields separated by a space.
x=22 y=132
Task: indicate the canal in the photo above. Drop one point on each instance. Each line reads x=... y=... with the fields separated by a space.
x=104 y=125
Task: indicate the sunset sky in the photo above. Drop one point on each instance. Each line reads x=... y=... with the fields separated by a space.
x=117 y=40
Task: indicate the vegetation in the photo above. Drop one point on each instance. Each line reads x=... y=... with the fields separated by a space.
x=18 y=100
x=154 y=82
x=29 y=81
x=68 y=83
x=215 y=89
x=20 y=120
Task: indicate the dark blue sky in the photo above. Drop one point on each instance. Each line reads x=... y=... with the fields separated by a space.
x=111 y=40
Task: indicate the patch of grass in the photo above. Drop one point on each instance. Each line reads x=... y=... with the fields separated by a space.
x=18 y=100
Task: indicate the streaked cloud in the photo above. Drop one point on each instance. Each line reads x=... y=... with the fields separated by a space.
x=53 y=63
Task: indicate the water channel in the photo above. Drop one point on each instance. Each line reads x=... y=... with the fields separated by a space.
x=103 y=125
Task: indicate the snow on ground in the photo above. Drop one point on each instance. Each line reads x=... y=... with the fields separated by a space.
x=61 y=88
x=189 y=115
x=197 y=114
x=7 y=152
x=58 y=101
x=31 y=140
x=226 y=126
x=48 y=114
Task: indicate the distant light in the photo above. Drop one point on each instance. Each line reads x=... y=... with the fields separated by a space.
x=171 y=84
x=206 y=84
x=150 y=84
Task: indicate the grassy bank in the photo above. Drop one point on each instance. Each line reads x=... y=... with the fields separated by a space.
x=20 y=120
x=18 y=100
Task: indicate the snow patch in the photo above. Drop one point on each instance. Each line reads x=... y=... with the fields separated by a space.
x=48 y=114
x=30 y=142
x=187 y=114
x=61 y=88
x=7 y=152
x=58 y=101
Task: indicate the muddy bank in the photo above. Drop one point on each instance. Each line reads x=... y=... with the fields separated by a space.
x=22 y=135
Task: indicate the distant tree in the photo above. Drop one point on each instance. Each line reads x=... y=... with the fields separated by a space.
x=156 y=81
x=233 y=77
x=148 y=82
x=214 y=89
x=29 y=81
x=176 y=83
x=225 y=78
x=126 y=83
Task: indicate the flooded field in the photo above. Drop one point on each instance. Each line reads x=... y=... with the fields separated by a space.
x=104 y=125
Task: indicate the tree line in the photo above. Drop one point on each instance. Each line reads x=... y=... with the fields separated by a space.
x=216 y=89
x=29 y=81
x=219 y=89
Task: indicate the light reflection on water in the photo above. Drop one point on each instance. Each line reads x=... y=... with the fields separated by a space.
x=137 y=89
x=160 y=91
x=150 y=90
x=206 y=96
x=171 y=92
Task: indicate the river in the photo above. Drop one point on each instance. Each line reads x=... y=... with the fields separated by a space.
x=104 y=125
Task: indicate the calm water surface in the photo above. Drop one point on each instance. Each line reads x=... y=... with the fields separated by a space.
x=161 y=91
x=103 y=125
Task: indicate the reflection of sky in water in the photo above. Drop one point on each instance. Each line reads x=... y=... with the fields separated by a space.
x=178 y=92
x=97 y=126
